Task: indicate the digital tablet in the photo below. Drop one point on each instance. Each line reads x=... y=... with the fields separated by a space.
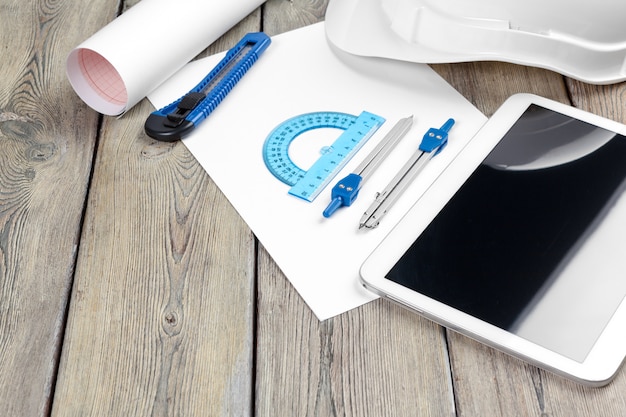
x=521 y=241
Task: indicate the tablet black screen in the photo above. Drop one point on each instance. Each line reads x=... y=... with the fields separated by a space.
x=509 y=232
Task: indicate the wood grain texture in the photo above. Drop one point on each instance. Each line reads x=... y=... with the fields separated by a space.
x=488 y=84
x=284 y=15
x=161 y=318
x=491 y=383
x=376 y=360
x=46 y=142
x=604 y=100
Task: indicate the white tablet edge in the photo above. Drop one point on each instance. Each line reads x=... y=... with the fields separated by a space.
x=608 y=352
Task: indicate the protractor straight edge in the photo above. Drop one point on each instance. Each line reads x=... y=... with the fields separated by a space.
x=307 y=184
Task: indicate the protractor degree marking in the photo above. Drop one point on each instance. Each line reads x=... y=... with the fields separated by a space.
x=344 y=148
x=276 y=147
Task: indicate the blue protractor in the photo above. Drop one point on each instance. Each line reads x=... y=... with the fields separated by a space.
x=307 y=184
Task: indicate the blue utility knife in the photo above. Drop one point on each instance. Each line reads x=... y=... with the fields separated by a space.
x=178 y=119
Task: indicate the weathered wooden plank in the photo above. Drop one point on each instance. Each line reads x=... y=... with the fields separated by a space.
x=373 y=361
x=284 y=15
x=161 y=318
x=604 y=100
x=491 y=383
x=47 y=139
x=488 y=382
x=376 y=360
x=488 y=84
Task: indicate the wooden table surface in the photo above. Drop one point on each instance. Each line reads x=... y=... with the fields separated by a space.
x=130 y=287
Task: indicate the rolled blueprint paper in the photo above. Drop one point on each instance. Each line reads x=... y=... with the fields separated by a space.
x=127 y=59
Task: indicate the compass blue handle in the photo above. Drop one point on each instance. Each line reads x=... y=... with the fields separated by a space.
x=343 y=193
x=436 y=139
x=178 y=119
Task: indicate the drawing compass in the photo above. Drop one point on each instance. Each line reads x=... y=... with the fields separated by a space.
x=347 y=189
x=433 y=142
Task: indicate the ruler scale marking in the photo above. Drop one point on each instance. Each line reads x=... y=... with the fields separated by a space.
x=307 y=184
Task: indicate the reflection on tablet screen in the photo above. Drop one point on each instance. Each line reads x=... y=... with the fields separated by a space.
x=531 y=242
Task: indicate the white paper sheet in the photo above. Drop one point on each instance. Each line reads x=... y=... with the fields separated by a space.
x=119 y=65
x=299 y=73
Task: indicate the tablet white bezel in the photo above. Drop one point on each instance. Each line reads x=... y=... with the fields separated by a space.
x=608 y=352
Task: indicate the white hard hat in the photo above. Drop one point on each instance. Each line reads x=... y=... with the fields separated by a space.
x=585 y=40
